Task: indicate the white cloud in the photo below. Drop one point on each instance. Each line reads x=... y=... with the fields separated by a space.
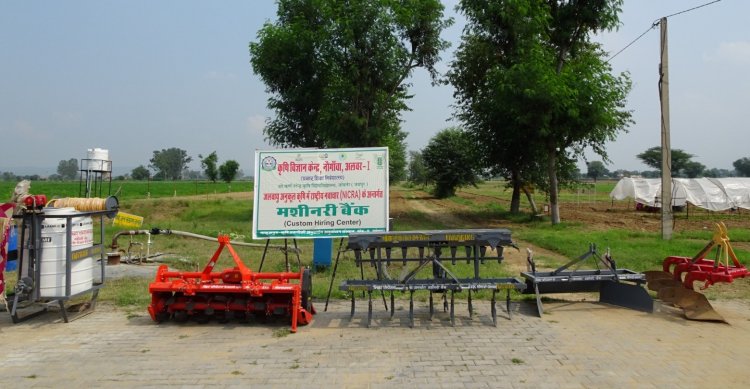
x=731 y=53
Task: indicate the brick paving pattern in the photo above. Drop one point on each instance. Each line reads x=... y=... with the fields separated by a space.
x=575 y=345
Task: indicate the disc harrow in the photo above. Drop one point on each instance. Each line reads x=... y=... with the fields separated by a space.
x=237 y=292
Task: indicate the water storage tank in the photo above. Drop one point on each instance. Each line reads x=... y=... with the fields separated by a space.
x=98 y=160
x=52 y=261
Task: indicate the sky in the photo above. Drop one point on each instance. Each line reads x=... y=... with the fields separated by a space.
x=137 y=76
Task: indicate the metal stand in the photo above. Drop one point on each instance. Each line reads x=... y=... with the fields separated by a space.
x=28 y=288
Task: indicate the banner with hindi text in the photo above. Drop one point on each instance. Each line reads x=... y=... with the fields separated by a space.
x=312 y=193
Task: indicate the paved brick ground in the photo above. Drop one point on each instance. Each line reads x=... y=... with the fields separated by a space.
x=575 y=345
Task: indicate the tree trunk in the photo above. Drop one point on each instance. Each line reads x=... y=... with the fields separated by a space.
x=532 y=203
x=515 y=200
x=552 y=171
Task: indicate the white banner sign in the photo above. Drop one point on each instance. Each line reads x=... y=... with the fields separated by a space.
x=320 y=193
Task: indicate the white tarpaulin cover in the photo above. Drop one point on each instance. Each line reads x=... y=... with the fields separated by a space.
x=714 y=194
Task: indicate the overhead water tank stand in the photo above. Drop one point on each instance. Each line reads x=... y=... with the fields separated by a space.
x=56 y=260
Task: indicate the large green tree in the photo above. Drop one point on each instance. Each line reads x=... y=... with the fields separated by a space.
x=228 y=170
x=68 y=169
x=169 y=163
x=417 y=169
x=682 y=162
x=208 y=163
x=337 y=71
x=450 y=161
x=140 y=173
x=742 y=166
x=529 y=78
x=596 y=170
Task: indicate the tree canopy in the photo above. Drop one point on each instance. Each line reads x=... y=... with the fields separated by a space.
x=742 y=166
x=208 y=164
x=68 y=169
x=336 y=70
x=140 y=173
x=169 y=163
x=450 y=161
x=533 y=88
x=228 y=170
x=682 y=162
x=596 y=169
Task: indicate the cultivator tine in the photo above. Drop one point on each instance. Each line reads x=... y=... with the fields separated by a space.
x=454 y=249
x=393 y=307
x=445 y=302
x=358 y=258
x=421 y=252
x=351 y=315
x=432 y=308
x=388 y=256
x=369 y=308
x=493 y=308
x=453 y=316
x=411 y=309
x=468 y=251
x=471 y=310
x=372 y=257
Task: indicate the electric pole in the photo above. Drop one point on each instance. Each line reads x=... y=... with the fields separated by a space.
x=666 y=149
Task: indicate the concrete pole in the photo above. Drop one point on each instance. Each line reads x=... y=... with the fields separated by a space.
x=666 y=148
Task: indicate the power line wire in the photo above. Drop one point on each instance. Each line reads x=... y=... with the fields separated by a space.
x=656 y=23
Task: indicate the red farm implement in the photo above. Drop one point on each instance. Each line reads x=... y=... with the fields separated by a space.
x=710 y=271
x=236 y=292
x=674 y=284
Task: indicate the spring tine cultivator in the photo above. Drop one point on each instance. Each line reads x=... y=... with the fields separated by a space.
x=236 y=292
x=675 y=283
x=437 y=252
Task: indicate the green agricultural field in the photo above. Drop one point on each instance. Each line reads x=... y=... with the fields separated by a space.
x=634 y=242
x=125 y=190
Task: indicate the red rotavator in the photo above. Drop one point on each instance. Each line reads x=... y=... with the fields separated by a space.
x=236 y=292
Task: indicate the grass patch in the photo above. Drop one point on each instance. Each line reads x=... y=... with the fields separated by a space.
x=280 y=333
x=126 y=292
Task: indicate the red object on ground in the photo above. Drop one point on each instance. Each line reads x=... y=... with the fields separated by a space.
x=710 y=271
x=237 y=291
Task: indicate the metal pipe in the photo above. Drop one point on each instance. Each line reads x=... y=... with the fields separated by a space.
x=157 y=231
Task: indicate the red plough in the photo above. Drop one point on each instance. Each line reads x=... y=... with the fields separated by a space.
x=709 y=271
x=236 y=292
